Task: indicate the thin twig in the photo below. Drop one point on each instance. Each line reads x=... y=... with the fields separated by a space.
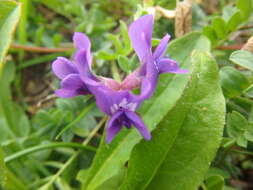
x=230 y=47
x=39 y=49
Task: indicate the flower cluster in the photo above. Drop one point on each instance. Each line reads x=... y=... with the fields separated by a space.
x=113 y=98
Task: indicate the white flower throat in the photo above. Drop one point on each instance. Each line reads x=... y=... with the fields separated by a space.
x=124 y=104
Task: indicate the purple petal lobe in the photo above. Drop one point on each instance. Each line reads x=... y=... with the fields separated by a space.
x=65 y=93
x=72 y=86
x=167 y=65
x=147 y=88
x=140 y=33
x=113 y=127
x=84 y=69
x=72 y=82
x=161 y=48
x=81 y=41
x=63 y=67
x=139 y=124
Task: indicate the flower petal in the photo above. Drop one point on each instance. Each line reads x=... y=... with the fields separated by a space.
x=63 y=67
x=65 y=93
x=161 y=48
x=72 y=86
x=106 y=98
x=148 y=87
x=111 y=83
x=84 y=69
x=167 y=65
x=140 y=33
x=113 y=126
x=82 y=42
x=139 y=124
x=131 y=81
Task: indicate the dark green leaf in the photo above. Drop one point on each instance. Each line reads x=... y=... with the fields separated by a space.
x=215 y=182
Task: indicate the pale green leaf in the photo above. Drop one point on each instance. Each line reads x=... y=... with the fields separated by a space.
x=10 y=13
x=242 y=58
x=179 y=153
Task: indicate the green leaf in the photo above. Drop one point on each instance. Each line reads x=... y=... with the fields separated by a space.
x=215 y=182
x=7 y=179
x=111 y=158
x=219 y=26
x=10 y=13
x=237 y=125
x=2 y=169
x=17 y=122
x=242 y=58
x=124 y=63
x=233 y=82
x=125 y=37
x=228 y=11
x=210 y=33
x=245 y=7
x=102 y=54
x=234 y=21
x=64 y=7
x=178 y=155
x=116 y=42
x=217 y=171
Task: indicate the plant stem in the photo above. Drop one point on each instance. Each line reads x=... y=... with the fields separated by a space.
x=46 y=146
x=40 y=49
x=230 y=47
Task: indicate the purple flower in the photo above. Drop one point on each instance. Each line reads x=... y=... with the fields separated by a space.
x=68 y=72
x=114 y=99
x=119 y=104
x=153 y=63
